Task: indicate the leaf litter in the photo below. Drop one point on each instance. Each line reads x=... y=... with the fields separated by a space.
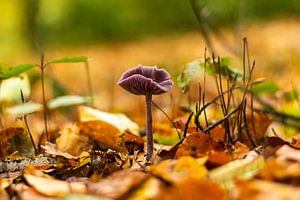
x=101 y=155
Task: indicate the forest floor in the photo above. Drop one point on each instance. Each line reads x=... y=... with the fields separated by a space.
x=241 y=152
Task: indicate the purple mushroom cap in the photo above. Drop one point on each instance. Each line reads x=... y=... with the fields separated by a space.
x=146 y=79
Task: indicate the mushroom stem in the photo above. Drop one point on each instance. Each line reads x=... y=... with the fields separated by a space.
x=149 y=126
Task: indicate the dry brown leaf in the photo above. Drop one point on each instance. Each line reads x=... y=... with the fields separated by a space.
x=175 y=170
x=193 y=188
x=218 y=133
x=287 y=153
x=198 y=145
x=133 y=142
x=104 y=134
x=218 y=158
x=70 y=141
x=261 y=190
x=49 y=186
x=27 y=193
x=118 y=184
x=240 y=150
x=4 y=183
x=51 y=148
x=296 y=141
x=281 y=171
x=15 y=139
x=261 y=123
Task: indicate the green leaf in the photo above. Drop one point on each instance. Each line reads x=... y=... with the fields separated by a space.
x=8 y=72
x=24 y=109
x=194 y=67
x=67 y=101
x=265 y=88
x=70 y=60
x=291 y=95
x=186 y=76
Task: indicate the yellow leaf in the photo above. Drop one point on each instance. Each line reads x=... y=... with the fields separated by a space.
x=174 y=170
x=119 y=121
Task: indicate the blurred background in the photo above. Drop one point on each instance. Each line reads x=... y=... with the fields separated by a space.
x=117 y=35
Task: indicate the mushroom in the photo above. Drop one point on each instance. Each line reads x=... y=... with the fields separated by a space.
x=148 y=81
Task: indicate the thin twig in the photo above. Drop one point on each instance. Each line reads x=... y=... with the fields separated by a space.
x=167 y=116
x=212 y=126
x=252 y=140
x=186 y=126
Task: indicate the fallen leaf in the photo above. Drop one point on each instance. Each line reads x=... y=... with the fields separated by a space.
x=288 y=154
x=193 y=188
x=296 y=141
x=82 y=197
x=276 y=170
x=27 y=193
x=164 y=134
x=104 y=134
x=175 y=170
x=119 y=121
x=240 y=150
x=52 y=149
x=133 y=142
x=118 y=185
x=218 y=133
x=15 y=139
x=257 y=126
x=242 y=169
x=41 y=182
x=149 y=190
x=258 y=189
x=218 y=158
x=197 y=145
x=72 y=142
x=4 y=183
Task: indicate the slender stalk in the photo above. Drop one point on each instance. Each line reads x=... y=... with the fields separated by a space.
x=1 y=122
x=27 y=127
x=149 y=132
x=252 y=140
x=42 y=67
x=204 y=89
x=89 y=82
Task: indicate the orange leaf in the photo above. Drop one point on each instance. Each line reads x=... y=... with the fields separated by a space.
x=198 y=145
